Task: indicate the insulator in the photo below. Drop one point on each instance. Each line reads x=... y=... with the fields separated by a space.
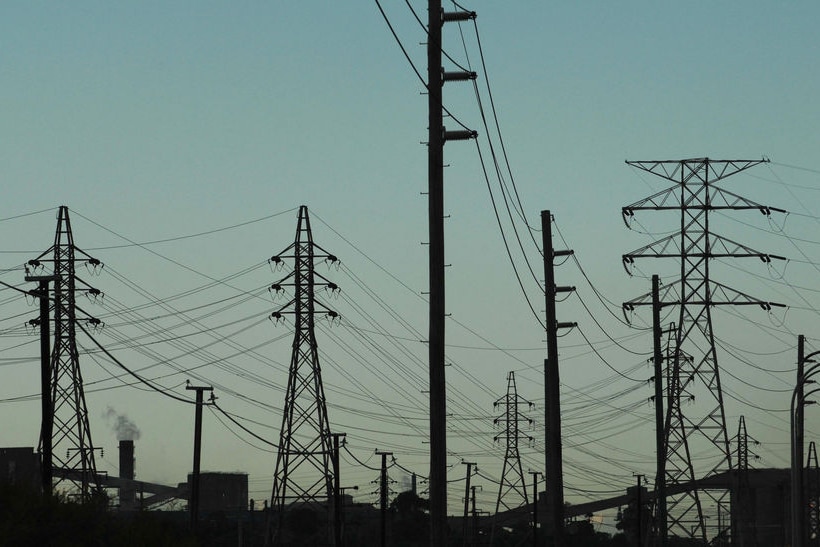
x=626 y=214
x=94 y=262
x=452 y=16
x=275 y=259
x=94 y=292
x=276 y=315
x=458 y=76
x=332 y=258
x=34 y=262
x=34 y=322
x=460 y=135
x=332 y=314
x=333 y=286
x=275 y=287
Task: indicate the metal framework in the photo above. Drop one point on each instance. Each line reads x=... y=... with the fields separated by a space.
x=512 y=489
x=72 y=449
x=703 y=426
x=744 y=529
x=813 y=498
x=303 y=479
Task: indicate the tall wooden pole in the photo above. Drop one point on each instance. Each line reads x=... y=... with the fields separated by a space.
x=338 y=541
x=797 y=453
x=552 y=387
x=534 y=507
x=193 y=500
x=660 y=451
x=438 y=397
x=46 y=404
x=467 y=499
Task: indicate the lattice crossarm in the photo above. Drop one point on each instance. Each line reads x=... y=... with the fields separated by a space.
x=722 y=247
x=722 y=199
x=668 y=247
x=664 y=200
x=722 y=295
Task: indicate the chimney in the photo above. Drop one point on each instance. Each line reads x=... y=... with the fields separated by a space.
x=128 y=492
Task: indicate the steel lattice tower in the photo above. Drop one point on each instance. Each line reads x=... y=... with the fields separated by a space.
x=303 y=478
x=703 y=427
x=72 y=449
x=744 y=529
x=813 y=499
x=512 y=484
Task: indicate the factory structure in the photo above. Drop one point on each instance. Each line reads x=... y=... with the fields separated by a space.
x=226 y=494
x=219 y=492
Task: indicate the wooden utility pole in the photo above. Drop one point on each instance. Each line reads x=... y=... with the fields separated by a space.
x=438 y=396
x=467 y=499
x=552 y=386
x=47 y=422
x=338 y=541
x=797 y=451
x=193 y=500
x=660 y=444
x=435 y=160
x=474 y=532
x=639 y=510
x=534 y=507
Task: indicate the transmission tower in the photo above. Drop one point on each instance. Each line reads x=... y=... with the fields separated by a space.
x=703 y=427
x=71 y=446
x=303 y=479
x=813 y=501
x=512 y=484
x=744 y=527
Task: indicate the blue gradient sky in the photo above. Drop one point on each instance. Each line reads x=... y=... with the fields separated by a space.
x=161 y=119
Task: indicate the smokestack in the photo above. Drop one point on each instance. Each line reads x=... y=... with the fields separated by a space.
x=128 y=497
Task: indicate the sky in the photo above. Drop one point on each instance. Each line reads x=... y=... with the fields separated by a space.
x=156 y=121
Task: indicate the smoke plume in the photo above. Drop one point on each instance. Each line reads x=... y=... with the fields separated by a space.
x=120 y=424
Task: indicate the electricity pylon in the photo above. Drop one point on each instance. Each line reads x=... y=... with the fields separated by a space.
x=72 y=449
x=303 y=479
x=813 y=489
x=512 y=489
x=703 y=427
x=744 y=527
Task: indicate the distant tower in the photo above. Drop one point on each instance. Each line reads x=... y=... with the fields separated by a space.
x=813 y=499
x=702 y=429
x=72 y=449
x=512 y=490
x=303 y=479
x=744 y=528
